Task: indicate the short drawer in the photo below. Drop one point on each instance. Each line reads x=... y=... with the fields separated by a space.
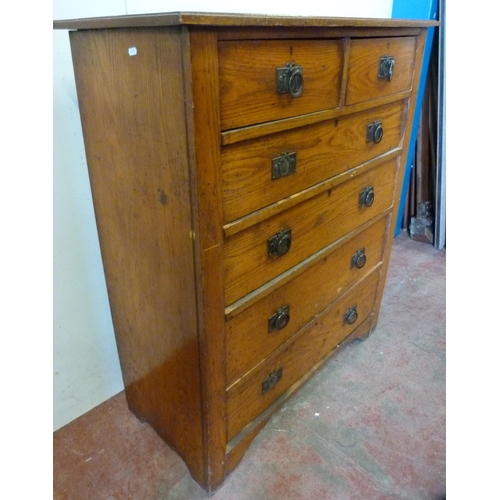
x=261 y=252
x=379 y=67
x=259 y=172
x=248 y=79
x=257 y=331
x=269 y=380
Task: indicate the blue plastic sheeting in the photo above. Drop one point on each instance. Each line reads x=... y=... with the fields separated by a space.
x=414 y=9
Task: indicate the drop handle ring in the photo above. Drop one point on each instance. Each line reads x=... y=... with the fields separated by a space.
x=280 y=243
x=367 y=196
x=374 y=132
x=279 y=319
x=386 y=67
x=290 y=79
x=351 y=315
x=273 y=378
x=358 y=260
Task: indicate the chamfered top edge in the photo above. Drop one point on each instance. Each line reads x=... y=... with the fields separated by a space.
x=223 y=19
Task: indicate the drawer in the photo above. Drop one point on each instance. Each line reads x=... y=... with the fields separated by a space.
x=261 y=328
x=251 y=169
x=363 y=81
x=269 y=380
x=303 y=230
x=248 y=79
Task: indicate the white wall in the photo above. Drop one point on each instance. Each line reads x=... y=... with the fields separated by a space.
x=86 y=367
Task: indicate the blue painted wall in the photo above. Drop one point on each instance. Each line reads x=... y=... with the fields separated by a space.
x=414 y=9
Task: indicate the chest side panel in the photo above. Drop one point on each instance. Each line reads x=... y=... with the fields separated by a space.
x=130 y=91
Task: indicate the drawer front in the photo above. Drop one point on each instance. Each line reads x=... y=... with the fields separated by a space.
x=304 y=229
x=253 y=394
x=364 y=82
x=248 y=79
x=251 y=171
x=256 y=332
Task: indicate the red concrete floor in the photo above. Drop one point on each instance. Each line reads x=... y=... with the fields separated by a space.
x=370 y=425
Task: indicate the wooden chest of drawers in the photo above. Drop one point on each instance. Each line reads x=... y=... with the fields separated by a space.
x=245 y=171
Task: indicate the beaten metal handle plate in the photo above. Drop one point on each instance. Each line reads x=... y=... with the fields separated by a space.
x=280 y=243
x=386 y=67
x=358 y=260
x=272 y=380
x=367 y=196
x=279 y=319
x=374 y=132
x=289 y=79
x=351 y=315
x=284 y=165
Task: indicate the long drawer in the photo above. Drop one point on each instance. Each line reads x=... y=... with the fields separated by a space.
x=379 y=67
x=255 y=392
x=248 y=79
x=263 y=251
x=259 y=172
x=261 y=328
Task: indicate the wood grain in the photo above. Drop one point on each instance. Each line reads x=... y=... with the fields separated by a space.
x=133 y=121
x=228 y=19
x=269 y=287
x=247 y=72
x=419 y=54
x=314 y=32
x=261 y=129
x=322 y=151
x=245 y=400
x=286 y=203
x=363 y=83
x=179 y=135
x=247 y=338
x=202 y=111
x=314 y=224
x=240 y=442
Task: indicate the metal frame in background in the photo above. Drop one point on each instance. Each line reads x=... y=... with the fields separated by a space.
x=415 y=9
x=440 y=211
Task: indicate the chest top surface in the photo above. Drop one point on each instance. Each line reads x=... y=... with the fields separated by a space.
x=227 y=19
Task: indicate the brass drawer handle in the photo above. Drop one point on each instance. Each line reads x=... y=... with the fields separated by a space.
x=290 y=79
x=358 y=260
x=272 y=380
x=386 y=67
x=280 y=243
x=279 y=319
x=351 y=315
x=374 y=132
x=284 y=165
x=367 y=197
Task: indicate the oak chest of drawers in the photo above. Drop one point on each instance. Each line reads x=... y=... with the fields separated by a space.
x=244 y=171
